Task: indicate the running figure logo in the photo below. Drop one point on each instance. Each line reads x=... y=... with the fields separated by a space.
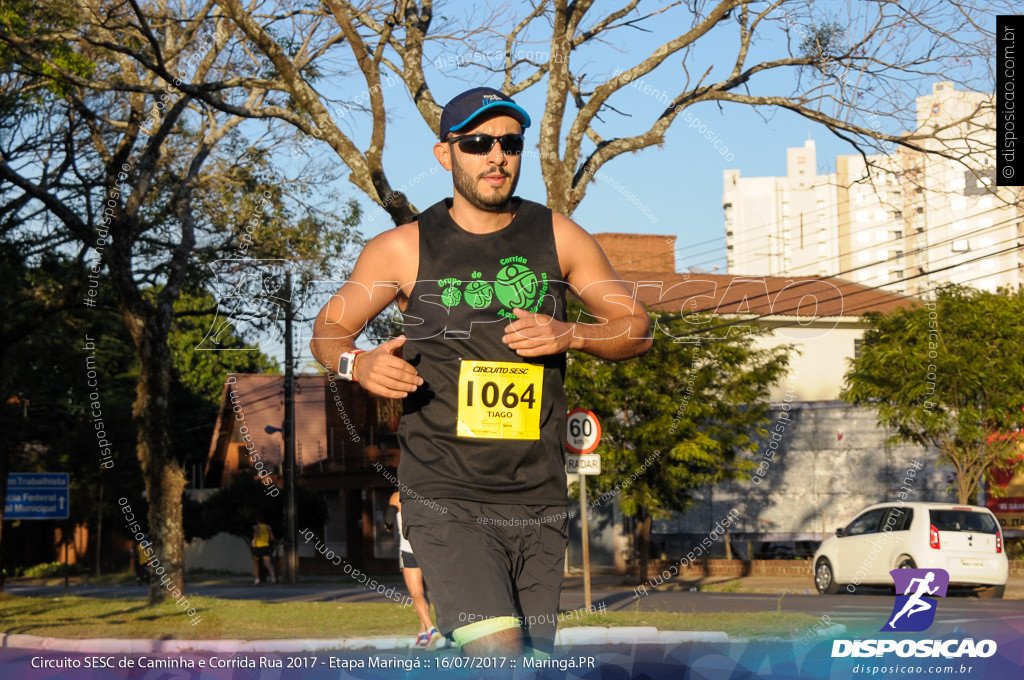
x=913 y=610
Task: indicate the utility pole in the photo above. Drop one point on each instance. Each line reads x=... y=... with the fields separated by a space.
x=291 y=554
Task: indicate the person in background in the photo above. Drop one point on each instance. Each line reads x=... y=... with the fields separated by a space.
x=262 y=538
x=139 y=564
x=428 y=636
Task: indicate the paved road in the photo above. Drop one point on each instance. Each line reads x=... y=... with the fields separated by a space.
x=859 y=611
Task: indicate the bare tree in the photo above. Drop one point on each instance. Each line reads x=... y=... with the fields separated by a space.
x=149 y=179
x=853 y=68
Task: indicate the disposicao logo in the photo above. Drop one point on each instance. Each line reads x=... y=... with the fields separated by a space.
x=914 y=611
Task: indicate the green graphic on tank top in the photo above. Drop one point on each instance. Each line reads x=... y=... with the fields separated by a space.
x=451 y=296
x=478 y=293
x=515 y=286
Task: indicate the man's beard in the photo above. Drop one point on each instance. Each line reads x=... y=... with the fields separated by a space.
x=494 y=200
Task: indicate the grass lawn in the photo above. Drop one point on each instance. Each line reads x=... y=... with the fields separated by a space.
x=82 y=617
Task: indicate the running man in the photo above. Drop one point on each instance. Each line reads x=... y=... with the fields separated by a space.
x=481 y=279
x=915 y=604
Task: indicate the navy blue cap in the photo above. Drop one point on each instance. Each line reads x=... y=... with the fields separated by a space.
x=466 y=107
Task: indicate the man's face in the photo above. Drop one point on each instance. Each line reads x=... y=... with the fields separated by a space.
x=486 y=181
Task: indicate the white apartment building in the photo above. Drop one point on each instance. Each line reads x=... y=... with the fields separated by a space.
x=915 y=221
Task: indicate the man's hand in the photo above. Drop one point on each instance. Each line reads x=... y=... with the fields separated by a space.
x=381 y=373
x=535 y=335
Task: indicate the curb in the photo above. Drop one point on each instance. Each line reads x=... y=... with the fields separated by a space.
x=583 y=635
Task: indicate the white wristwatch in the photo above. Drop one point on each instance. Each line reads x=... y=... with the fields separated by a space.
x=346 y=362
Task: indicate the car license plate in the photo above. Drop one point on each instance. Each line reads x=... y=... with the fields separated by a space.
x=972 y=563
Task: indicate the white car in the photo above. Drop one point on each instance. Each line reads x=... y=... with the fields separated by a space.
x=965 y=540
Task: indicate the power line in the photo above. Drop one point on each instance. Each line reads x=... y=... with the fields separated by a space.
x=825 y=260
x=873 y=264
x=863 y=289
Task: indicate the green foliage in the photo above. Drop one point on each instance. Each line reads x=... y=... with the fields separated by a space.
x=948 y=374
x=27 y=20
x=51 y=569
x=47 y=377
x=688 y=408
x=201 y=372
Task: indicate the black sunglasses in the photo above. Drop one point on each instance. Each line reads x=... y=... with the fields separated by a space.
x=481 y=144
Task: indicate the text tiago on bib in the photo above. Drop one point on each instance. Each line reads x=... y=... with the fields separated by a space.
x=500 y=400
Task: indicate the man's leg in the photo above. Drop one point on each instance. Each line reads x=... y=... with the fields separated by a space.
x=505 y=640
x=544 y=536
x=468 y=564
x=414 y=583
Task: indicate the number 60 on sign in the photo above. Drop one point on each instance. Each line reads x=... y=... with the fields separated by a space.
x=583 y=431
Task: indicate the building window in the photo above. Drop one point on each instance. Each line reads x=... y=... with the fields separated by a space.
x=961 y=246
x=858 y=346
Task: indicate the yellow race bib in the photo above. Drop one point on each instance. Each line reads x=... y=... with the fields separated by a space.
x=500 y=400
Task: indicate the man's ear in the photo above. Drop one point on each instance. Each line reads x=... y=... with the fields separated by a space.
x=443 y=154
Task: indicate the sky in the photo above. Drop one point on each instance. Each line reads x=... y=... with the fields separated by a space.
x=675 y=189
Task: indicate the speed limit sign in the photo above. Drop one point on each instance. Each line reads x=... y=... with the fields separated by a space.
x=584 y=431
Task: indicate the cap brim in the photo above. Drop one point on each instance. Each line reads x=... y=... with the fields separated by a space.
x=524 y=121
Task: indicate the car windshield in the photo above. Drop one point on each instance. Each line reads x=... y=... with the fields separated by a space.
x=964 y=520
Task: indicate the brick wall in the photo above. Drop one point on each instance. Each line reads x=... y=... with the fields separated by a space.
x=737 y=568
x=639 y=252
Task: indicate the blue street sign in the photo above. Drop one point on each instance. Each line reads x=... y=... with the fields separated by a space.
x=36 y=495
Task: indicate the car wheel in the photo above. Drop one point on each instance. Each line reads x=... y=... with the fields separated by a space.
x=906 y=562
x=824 y=578
x=991 y=592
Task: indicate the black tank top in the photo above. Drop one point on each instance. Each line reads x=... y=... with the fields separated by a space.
x=486 y=424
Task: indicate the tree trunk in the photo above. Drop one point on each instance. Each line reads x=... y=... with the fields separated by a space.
x=164 y=476
x=644 y=543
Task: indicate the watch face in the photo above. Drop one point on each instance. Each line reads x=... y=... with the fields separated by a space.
x=344 y=365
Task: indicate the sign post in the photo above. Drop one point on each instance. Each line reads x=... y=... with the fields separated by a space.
x=36 y=495
x=583 y=436
x=40 y=495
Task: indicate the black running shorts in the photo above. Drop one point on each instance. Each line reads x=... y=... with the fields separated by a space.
x=487 y=560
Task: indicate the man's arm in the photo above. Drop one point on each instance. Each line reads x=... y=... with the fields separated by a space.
x=381 y=269
x=622 y=329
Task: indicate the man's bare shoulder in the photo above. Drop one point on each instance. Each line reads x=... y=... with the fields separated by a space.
x=397 y=240
x=393 y=253
x=573 y=242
